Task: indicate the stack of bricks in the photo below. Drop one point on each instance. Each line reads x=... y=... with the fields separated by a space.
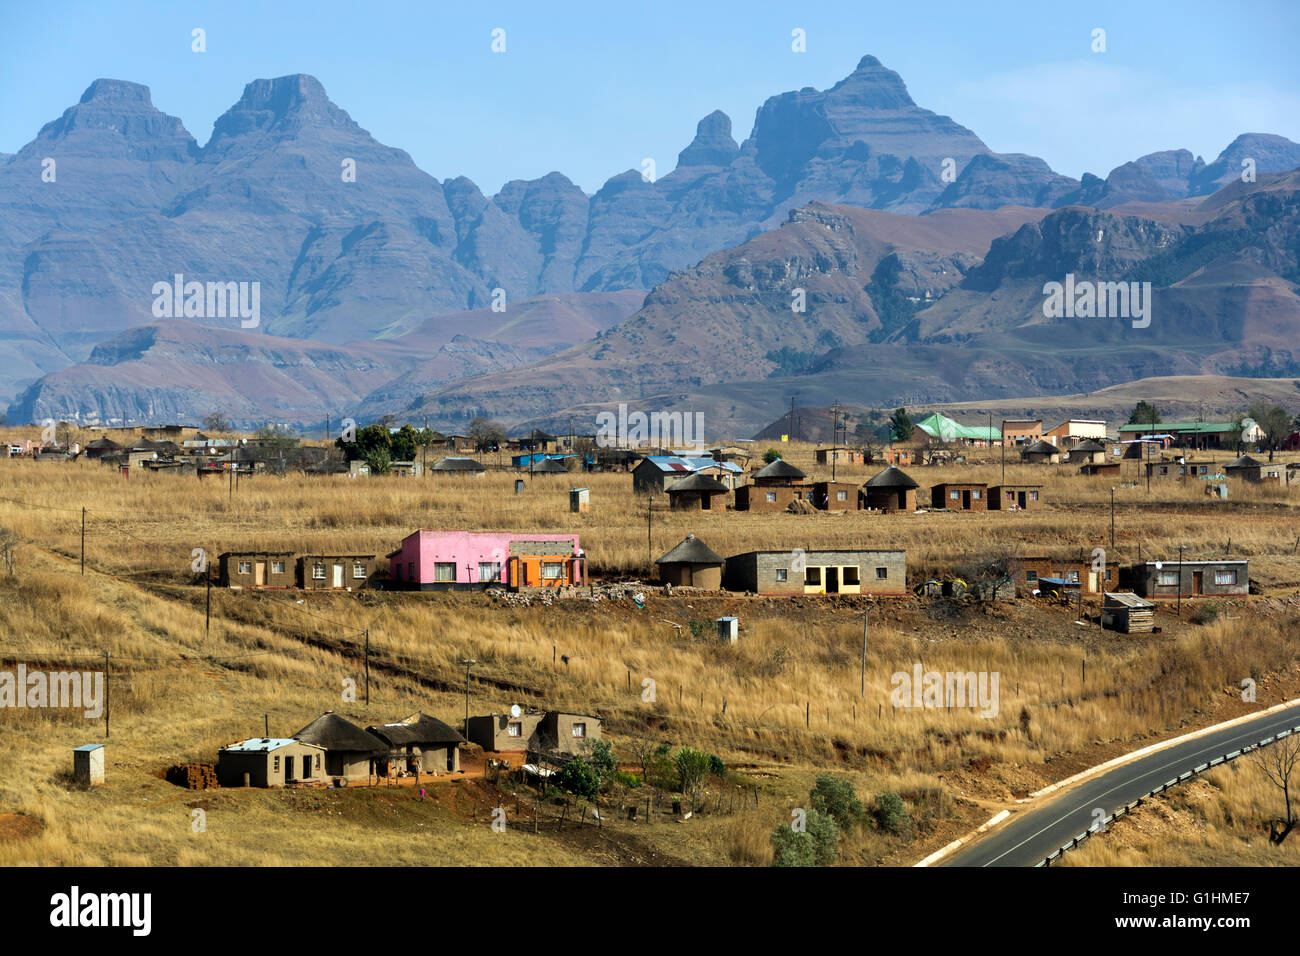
x=194 y=776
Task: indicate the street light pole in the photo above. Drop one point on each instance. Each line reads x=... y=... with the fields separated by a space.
x=649 y=543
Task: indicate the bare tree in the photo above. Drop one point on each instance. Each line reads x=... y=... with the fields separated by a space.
x=1279 y=762
x=8 y=543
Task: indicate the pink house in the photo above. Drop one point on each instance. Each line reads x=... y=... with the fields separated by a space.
x=472 y=560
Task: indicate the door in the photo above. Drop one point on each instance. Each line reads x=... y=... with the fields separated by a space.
x=338 y=575
x=288 y=769
x=832 y=580
x=1197 y=581
x=1020 y=500
x=259 y=573
x=965 y=501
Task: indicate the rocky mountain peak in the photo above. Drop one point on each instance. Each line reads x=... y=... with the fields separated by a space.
x=117 y=92
x=713 y=144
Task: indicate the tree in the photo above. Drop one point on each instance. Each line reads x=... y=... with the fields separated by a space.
x=1144 y=413
x=580 y=777
x=8 y=543
x=215 y=423
x=1274 y=422
x=900 y=425
x=602 y=759
x=402 y=445
x=692 y=767
x=771 y=455
x=487 y=435
x=835 y=797
x=1279 y=762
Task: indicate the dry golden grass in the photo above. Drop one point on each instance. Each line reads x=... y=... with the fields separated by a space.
x=790 y=686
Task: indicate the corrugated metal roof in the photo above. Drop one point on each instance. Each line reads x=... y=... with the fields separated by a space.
x=263 y=744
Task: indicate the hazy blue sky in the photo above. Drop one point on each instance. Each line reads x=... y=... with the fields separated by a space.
x=590 y=89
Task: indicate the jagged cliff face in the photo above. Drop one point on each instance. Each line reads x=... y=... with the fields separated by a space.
x=349 y=241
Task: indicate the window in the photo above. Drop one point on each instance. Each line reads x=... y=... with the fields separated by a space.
x=1222 y=576
x=849 y=575
x=514 y=729
x=1167 y=578
x=275 y=765
x=977 y=494
x=771 y=496
x=1108 y=570
x=782 y=574
x=444 y=571
x=318 y=572
x=358 y=571
x=245 y=567
x=954 y=495
x=882 y=574
x=812 y=576
x=277 y=567
x=488 y=570
x=1033 y=496
x=1011 y=496
x=579 y=730
x=841 y=496
x=410 y=570
x=1031 y=577
x=1072 y=577
x=552 y=570
x=318 y=761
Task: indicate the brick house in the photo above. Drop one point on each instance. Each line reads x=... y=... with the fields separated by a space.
x=1014 y=497
x=817 y=572
x=960 y=496
x=257 y=569
x=334 y=572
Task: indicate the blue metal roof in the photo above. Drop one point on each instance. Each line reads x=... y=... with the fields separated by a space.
x=88 y=747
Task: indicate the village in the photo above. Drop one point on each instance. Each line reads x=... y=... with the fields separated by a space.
x=515 y=550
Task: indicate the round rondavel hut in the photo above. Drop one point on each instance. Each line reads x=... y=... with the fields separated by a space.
x=692 y=564
x=891 y=490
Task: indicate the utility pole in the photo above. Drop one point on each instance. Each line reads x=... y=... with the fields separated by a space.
x=469 y=662
x=1180 y=582
x=106 y=683
x=649 y=543
x=207 y=624
x=1112 y=519
x=367 y=667
x=1004 y=455
x=83 y=541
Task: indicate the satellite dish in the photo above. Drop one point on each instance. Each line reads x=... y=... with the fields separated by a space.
x=514 y=710
x=1159 y=565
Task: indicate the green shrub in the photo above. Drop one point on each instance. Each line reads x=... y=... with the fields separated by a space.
x=836 y=797
x=716 y=766
x=816 y=845
x=1207 y=613
x=890 y=814
x=629 y=780
x=771 y=455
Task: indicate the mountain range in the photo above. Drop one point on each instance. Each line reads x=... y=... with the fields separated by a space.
x=385 y=290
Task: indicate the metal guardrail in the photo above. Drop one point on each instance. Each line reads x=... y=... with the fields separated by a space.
x=1128 y=807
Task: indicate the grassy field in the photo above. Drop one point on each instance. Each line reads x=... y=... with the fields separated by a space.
x=783 y=704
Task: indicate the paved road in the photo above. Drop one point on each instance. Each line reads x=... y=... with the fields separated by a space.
x=1030 y=835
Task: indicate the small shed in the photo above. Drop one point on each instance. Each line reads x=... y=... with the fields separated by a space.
x=691 y=564
x=579 y=500
x=1110 y=468
x=728 y=629
x=88 y=764
x=1127 y=613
